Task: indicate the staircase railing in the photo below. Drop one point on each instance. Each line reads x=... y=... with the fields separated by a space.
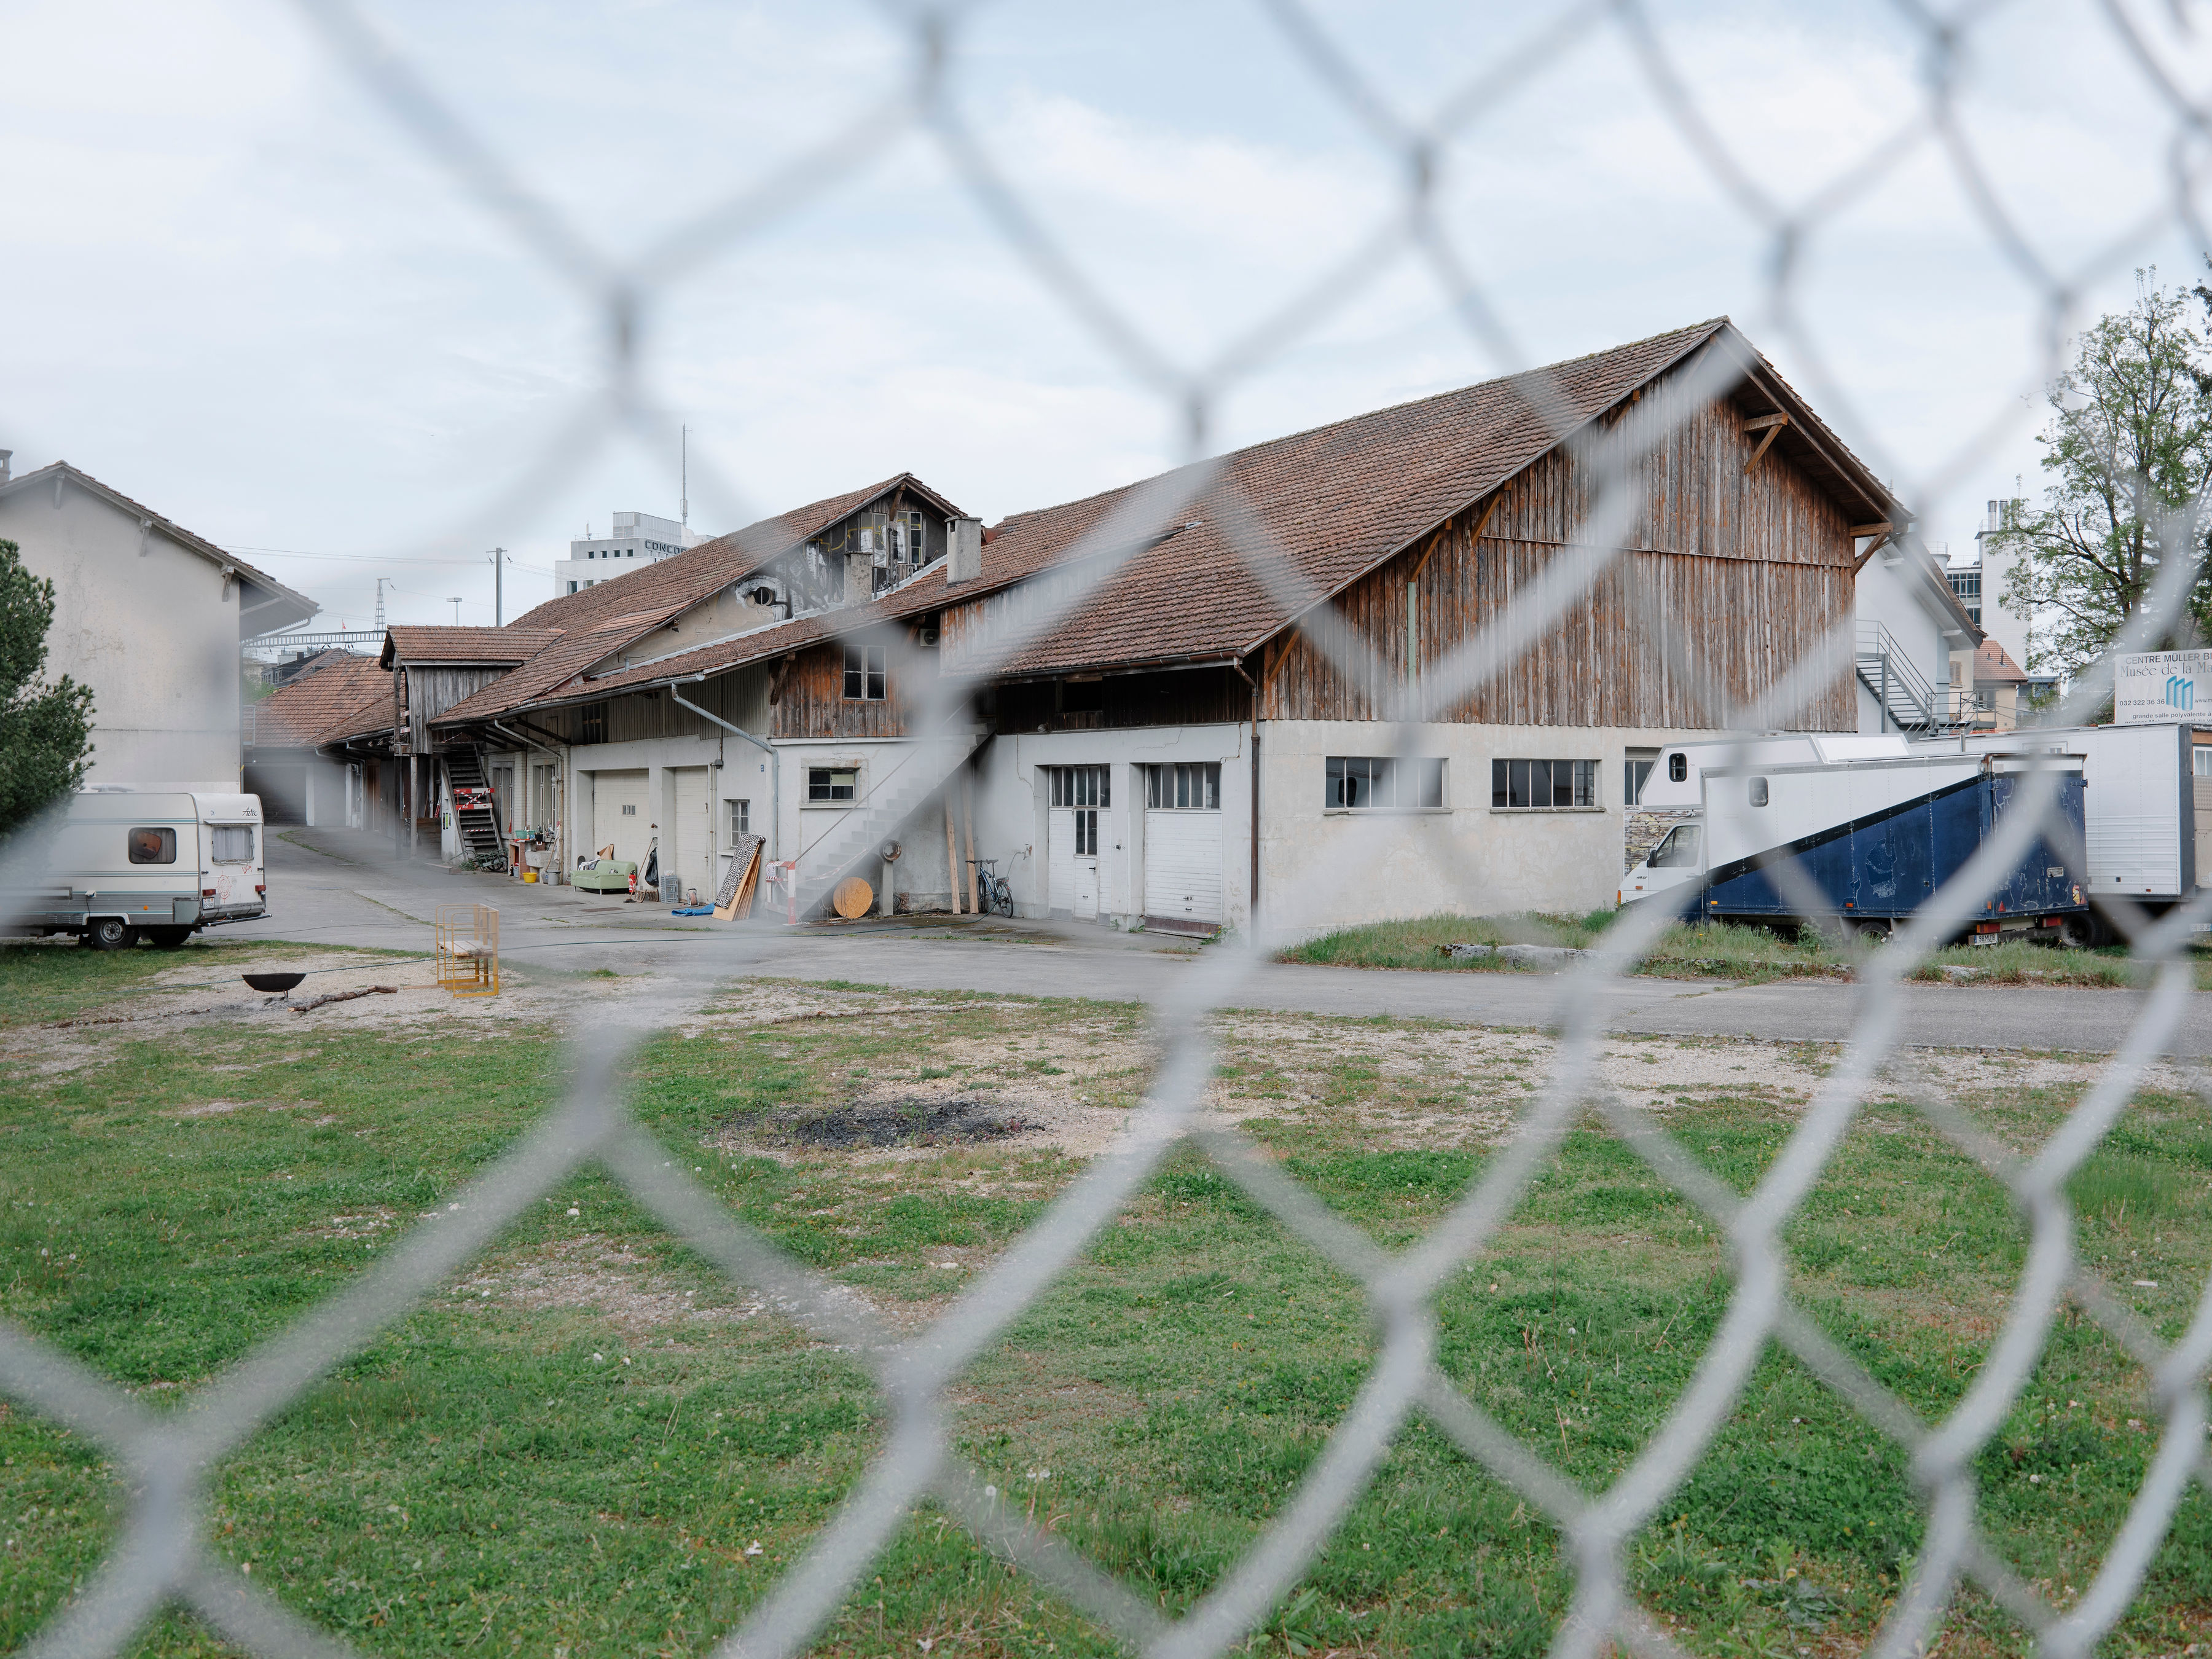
x=890 y=798
x=1904 y=692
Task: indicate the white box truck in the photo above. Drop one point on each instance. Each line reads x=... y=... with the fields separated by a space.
x=2147 y=818
x=114 y=866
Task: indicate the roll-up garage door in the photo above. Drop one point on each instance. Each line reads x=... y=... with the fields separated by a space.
x=1182 y=868
x=688 y=849
x=618 y=815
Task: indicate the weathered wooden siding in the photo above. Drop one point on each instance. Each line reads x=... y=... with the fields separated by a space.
x=1726 y=579
x=807 y=693
x=1197 y=697
x=429 y=691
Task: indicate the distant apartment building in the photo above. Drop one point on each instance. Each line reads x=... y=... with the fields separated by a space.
x=1979 y=581
x=635 y=540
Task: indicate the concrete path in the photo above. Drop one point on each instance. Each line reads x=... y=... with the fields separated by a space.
x=336 y=888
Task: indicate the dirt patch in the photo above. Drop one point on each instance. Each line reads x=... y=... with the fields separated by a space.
x=893 y=1123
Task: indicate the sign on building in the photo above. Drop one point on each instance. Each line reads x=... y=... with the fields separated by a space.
x=2162 y=686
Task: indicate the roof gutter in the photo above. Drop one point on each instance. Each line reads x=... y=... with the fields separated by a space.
x=775 y=760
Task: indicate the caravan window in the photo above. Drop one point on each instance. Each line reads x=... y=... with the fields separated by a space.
x=1678 y=767
x=153 y=846
x=234 y=842
x=1758 y=792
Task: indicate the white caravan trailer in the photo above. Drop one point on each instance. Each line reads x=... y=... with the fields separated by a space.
x=2147 y=813
x=116 y=865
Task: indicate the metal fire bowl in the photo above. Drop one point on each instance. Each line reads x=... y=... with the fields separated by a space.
x=273 y=981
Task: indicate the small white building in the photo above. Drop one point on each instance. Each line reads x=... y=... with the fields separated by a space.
x=637 y=539
x=152 y=618
x=1916 y=641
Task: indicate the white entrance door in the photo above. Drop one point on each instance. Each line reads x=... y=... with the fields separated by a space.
x=689 y=853
x=1060 y=861
x=618 y=815
x=1182 y=845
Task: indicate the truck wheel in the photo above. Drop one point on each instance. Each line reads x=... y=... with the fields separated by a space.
x=2076 y=933
x=110 y=934
x=168 y=939
x=1872 y=932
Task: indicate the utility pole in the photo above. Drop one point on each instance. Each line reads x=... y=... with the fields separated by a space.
x=380 y=581
x=683 y=472
x=499 y=587
x=455 y=601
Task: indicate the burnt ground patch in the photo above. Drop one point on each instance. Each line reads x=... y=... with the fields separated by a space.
x=892 y=1123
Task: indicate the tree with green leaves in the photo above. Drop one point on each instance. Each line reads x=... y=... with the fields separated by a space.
x=2129 y=454
x=46 y=730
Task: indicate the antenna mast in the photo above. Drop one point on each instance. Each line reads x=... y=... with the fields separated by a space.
x=380 y=581
x=683 y=468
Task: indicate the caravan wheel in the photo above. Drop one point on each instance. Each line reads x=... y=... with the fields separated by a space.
x=110 y=934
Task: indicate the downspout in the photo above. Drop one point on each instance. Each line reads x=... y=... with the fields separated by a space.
x=775 y=760
x=1252 y=891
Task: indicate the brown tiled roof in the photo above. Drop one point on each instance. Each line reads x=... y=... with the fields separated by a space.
x=328 y=699
x=1335 y=502
x=599 y=621
x=1992 y=665
x=492 y=645
x=698 y=571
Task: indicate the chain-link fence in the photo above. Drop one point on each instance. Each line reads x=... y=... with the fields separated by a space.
x=162 y=1555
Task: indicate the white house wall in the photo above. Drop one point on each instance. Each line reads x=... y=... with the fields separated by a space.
x=1013 y=793
x=151 y=627
x=1890 y=593
x=1320 y=870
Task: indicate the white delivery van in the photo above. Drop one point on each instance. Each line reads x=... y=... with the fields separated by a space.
x=116 y=865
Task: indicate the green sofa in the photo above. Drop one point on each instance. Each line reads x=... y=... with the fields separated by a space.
x=607 y=876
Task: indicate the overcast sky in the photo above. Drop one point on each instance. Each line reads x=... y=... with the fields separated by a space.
x=239 y=290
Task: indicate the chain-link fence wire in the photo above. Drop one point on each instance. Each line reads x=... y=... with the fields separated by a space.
x=161 y=1558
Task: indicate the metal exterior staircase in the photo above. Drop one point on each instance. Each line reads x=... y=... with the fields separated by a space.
x=1911 y=704
x=479 y=826
x=892 y=798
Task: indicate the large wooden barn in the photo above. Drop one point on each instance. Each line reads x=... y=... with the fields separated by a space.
x=1299 y=699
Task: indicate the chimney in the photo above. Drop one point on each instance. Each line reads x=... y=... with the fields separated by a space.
x=965 y=563
x=859 y=578
x=6 y=456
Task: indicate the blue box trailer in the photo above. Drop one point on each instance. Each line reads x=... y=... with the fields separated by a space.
x=1875 y=839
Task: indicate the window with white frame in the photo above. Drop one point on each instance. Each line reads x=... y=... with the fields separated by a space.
x=1542 y=785
x=1382 y=783
x=741 y=817
x=1081 y=785
x=867 y=672
x=909 y=539
x=1183 y=787
x=826 y=785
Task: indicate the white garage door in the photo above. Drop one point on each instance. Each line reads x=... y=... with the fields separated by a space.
x=1182 y=867
x=1060 y=861
x=688 y=845
x=618 y=815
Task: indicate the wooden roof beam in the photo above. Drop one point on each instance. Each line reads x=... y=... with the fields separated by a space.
x=1771 y=425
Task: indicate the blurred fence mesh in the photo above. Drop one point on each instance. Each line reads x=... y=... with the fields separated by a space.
x=160 y=1556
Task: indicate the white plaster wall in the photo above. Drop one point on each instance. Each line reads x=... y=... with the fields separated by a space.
x=1321 y=870
x=1011 y=800
x=149 y=626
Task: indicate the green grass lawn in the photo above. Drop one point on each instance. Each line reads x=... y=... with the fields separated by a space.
x=575 y=1447
x=1713 y=950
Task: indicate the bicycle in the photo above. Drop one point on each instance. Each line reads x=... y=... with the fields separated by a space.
x=992 y=893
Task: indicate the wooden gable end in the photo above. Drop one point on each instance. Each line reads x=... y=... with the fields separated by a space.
x=1733 y=568
x=806 y=689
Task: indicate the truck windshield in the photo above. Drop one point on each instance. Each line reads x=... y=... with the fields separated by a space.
x=1679 y=851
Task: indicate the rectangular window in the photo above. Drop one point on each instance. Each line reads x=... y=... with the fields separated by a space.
x=867 y=672
x=1637 y=767
x=1542 y=785
x=1381 y=783
x=152 y=847
x=2200 y=760
x=1081 y=785
x=909 y=537
x=592 y=723
x=1086 y=832
x=741 y=817
x=832 y=783
x=233 y=843
x=1184 y=786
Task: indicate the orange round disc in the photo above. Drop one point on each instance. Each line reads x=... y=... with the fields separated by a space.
x=854 y=898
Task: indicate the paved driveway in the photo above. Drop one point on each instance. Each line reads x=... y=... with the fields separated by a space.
x=332 y=887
